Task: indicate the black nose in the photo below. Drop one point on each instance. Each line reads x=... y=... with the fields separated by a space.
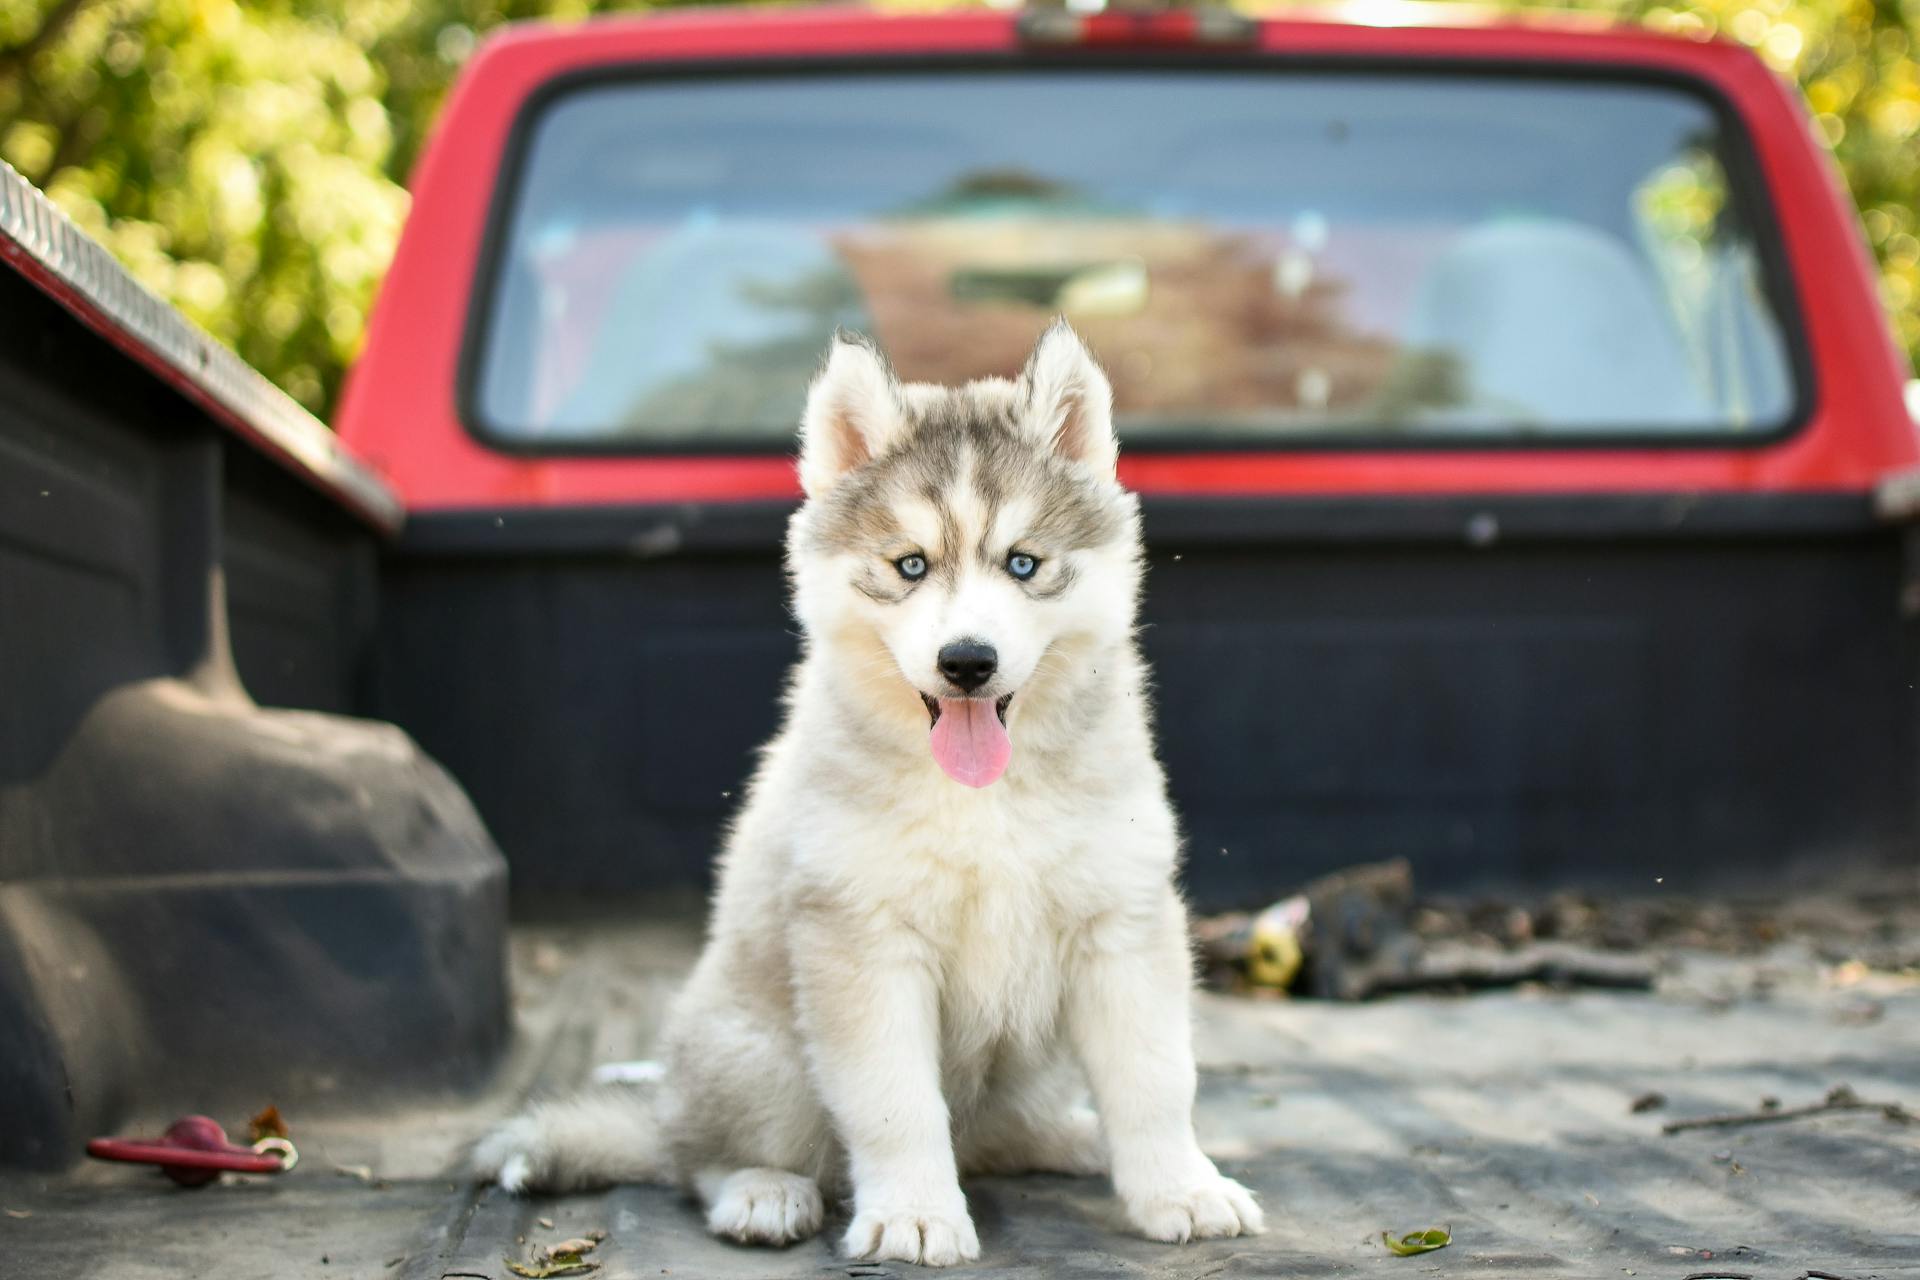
x=968 y=663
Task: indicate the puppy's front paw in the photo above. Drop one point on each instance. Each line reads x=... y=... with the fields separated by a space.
x=929 y=1237
x=1213 y=1207
x=765 y=1206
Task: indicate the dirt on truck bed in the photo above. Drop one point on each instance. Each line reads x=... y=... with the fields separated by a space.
x=1528 y=1122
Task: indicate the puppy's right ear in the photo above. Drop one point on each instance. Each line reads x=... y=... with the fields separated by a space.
x=853 y=412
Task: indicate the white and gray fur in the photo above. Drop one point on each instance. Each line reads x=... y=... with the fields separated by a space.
x=907 y=979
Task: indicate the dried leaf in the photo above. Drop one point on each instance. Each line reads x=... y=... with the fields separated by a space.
x=267 y=1124
x=566 y=1264
x=577 y=1245
x=1418 y=1241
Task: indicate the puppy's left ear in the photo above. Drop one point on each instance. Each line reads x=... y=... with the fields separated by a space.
x=1069 y=400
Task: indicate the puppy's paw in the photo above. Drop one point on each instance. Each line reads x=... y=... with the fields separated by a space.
x=1210 y=1208
x=592 y=1139
x=765 y=1206
x=512 y=1156
x=927 y=1236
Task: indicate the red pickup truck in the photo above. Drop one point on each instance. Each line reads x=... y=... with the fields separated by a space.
x=1507 y=403
x=1527 y=482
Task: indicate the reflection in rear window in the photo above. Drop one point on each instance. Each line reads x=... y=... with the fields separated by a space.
x=1256 y=256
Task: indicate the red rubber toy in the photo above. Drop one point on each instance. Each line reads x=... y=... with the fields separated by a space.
x=195 y=1150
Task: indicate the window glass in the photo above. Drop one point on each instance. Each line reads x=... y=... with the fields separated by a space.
x=1255 y=255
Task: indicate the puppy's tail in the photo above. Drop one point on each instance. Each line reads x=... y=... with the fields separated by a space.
x=597 y=1138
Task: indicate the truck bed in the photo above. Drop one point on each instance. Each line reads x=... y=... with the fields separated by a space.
x=1347 y=1119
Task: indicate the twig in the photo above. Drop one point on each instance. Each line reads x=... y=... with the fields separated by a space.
x=1839 y=1098
x=1718 y=1275
x=1818 y=1275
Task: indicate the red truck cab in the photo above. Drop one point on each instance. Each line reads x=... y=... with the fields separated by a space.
x=414 y=410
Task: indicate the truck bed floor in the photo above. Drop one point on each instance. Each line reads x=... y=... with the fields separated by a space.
x=1505 y=1117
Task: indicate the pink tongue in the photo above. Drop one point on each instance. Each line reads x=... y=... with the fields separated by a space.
x=969 y=742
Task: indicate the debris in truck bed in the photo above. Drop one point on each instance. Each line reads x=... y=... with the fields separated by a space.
x=1839 y=1098
x=563 y=1258
x=267 y=1123
x=1364 y=932
x=1352 y=936
x=1460 y=967
x=1416 y=1242
x=1332 y=939
x=1265 y=948
x=1870 y=933
x=577 y=1244
x=569 y=1264
x=1359 y=928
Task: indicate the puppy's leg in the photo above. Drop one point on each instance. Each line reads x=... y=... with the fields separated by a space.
x=760 y=1206
x=871 y=1015
x=743 y=1123
x=1127 y=1016
x=592 y=1139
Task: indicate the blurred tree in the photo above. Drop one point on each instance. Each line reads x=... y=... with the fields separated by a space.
x=232 y=157
x=243 y=157
x=246 y=157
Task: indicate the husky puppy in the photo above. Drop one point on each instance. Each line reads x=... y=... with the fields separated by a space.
x=947 y=906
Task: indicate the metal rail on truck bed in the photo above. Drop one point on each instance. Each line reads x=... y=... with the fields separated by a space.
x=43 y=245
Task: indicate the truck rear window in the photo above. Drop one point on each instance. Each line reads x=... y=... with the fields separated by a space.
x=1258 y=256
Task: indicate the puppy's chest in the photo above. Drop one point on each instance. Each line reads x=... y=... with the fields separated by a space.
x=999 y=895
x=1001 y=949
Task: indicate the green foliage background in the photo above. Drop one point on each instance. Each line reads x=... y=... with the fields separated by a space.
x=247 y=159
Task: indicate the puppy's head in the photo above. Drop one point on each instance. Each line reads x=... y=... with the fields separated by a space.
x=963 y=550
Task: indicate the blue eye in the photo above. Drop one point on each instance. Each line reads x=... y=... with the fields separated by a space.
x=912 y=568
x=1022 y=566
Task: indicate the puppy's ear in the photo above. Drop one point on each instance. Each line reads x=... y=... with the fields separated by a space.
x=853 y=412
x=1069 y=400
